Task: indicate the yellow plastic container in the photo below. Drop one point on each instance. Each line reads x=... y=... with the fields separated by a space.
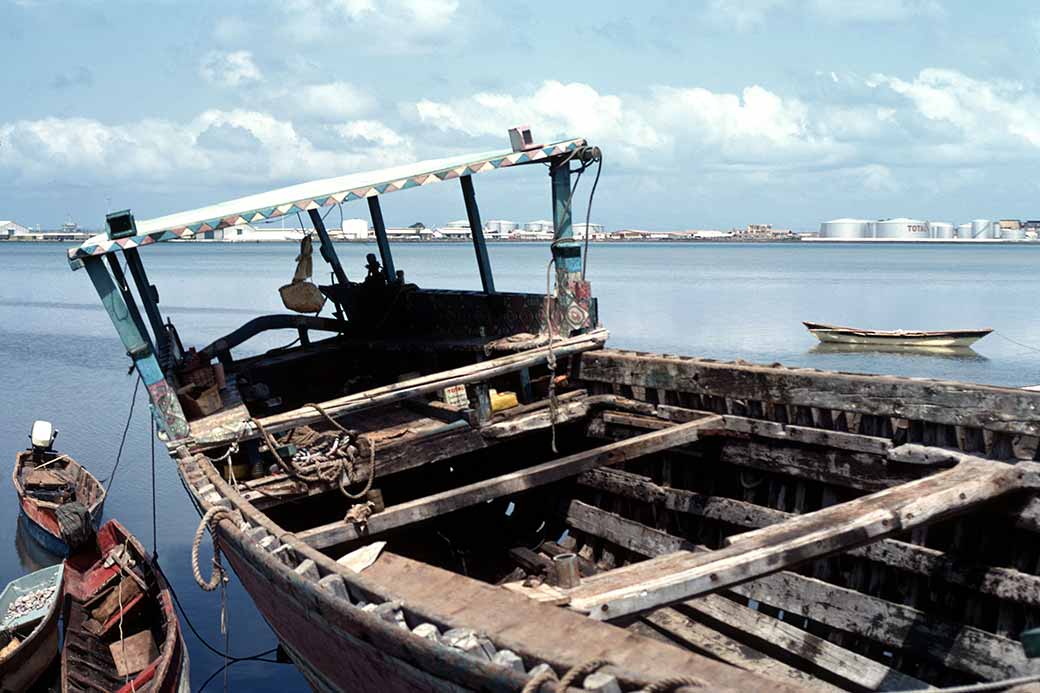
x=500 y=401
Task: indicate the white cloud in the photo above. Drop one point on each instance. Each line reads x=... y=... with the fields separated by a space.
x=216 y=146
x=977 y=114
x=331 y=101
x=750 y=14
x=229 y=69
x=379 y=26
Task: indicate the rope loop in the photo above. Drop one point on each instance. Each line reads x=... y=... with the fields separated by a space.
x=209 y=520
x=675 y=683
x=581 y=671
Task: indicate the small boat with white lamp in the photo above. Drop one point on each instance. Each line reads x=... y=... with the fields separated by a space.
x=837 y=334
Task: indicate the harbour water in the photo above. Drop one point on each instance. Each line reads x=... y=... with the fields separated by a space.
x=61 y=360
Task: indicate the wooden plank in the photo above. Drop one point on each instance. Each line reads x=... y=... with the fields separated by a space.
x=956 y=646
x=537 y=420
x=671 y=626
x=508 y=484
x=407 y=389
x=647 y=541
x=958 y=404
x=681 y=575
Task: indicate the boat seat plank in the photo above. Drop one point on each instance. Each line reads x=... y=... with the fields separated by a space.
x=438 y=504
x=681 y=575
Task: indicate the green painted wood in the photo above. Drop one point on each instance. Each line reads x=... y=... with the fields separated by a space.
x=476 y=228
x=382 y=240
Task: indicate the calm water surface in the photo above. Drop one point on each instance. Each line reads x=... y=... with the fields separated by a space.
x=61 y=360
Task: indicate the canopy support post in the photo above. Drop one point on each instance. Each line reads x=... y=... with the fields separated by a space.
x=149 y=297
x=165 y=407
x=476 y=229
x=572 y=305
x=379 y=226
x=128 y=297
x=327 y=250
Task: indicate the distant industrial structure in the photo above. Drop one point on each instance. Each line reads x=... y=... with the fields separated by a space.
x=13 y=231
x=903 y=229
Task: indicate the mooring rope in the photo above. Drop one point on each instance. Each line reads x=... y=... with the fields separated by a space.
x=209 y=520
x=666 y=685
x=982 y=687
x=550 y=358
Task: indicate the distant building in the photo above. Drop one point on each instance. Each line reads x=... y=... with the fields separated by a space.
x=10 y=229
x=454 y=230
x=595 y=232
x=541 y=225
x=1010 y=224
x=500 y=229
x=351 y=230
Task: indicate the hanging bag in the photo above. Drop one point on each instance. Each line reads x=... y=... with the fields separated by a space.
x=301 y=295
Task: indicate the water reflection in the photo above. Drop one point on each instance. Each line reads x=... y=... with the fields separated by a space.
x=31 y=555
x=953 y=352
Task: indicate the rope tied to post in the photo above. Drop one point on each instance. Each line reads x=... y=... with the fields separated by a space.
x=209 y=520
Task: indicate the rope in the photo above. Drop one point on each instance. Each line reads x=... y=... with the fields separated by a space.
x=155 y=520
x=581 y=670
x=674 y=683
x=550 y=359
x=209 y=520
x=1016 y=342
x=122 y=441
x=119 y=596
x=535 y=682
x=588 y=212
x=986 y=686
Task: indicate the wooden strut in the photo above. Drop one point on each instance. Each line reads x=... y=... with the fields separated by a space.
x=508 y=484
x=765 y=631
x=682 y=575
x=403 y=390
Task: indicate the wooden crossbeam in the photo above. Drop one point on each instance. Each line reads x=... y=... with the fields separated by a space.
x=1004 y=583
x=744 y=623
x=438 y=504
x=407 y=389
x=681 y=575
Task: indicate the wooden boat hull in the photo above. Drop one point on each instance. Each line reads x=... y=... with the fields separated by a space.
x=88 y=577
x=39 y=522
x=834 y=334
x=22 y=668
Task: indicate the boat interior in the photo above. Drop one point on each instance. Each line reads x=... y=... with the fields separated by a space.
x=52 y=479
x=118 y=618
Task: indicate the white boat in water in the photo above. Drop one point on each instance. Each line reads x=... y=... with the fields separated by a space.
x=906 y=338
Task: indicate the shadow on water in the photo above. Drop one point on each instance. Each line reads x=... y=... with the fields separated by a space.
x=31 y=555
x=958 y=353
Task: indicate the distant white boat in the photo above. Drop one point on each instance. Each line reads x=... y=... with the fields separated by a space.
x=906 y=338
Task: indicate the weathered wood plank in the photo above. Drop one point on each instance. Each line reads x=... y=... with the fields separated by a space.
x=448 y=501
x=647 y=541
x=956 y=646
x=672 y=626
x=1003 y=583
x=407 y=389
x=959 y=404
x=682 y=575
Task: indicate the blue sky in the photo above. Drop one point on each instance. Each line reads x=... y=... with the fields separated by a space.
x=710 y=114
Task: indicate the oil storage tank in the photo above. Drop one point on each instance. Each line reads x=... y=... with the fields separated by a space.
x=964 y=231
x=941 y=230
x=1013 y=233
x=847 y=229
x=901 y=229
x=983 y=228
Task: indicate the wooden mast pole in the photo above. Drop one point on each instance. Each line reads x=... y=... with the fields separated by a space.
x=476 y=229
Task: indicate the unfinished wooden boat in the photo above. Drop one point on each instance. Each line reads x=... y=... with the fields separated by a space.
x=466 y=490
x=61 y=502
x=904 y=338
x=29 y=609
x=121 y=630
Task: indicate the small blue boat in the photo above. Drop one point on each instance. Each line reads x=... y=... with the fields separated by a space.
x=29 y=608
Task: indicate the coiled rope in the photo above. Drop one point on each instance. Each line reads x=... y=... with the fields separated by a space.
x=338 y=470
x=209 y=520
x=674 y=683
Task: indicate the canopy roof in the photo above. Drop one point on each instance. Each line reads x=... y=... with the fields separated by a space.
x=320 y=193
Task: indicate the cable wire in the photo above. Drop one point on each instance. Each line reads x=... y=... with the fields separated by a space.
x=588 y=215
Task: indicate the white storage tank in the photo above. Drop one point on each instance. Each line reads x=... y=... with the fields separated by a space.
x=964 y=231
x=901 y=229
x=983 y=228
x=847 y=228
x=1013 y=234
x=941 y=230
